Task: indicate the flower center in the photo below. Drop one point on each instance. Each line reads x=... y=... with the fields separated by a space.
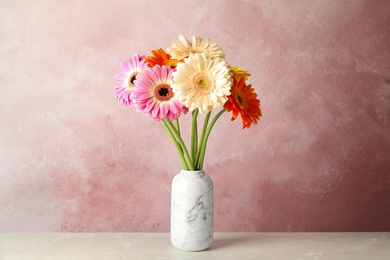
x=132 y=78
x=201 y=83
x=163 y=92
x=240 y=100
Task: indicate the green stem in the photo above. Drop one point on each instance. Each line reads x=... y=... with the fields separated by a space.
x=181 y=143
x=204 y=142
x=177 y=125
x=178 y=148
x=194 y=136
x=205 y=123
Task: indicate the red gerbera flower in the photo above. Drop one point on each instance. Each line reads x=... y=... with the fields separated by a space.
x=243 y=100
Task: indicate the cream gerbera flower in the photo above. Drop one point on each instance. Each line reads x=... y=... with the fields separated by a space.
x=183 y=48
x=201 y=82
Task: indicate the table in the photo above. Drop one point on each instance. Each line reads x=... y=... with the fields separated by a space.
x=241 y=246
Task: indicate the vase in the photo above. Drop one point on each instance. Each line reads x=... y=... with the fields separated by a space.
x=192 y=211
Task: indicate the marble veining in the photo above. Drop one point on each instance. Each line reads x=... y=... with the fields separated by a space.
x=192 y=211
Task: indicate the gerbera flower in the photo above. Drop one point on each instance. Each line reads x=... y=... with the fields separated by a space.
x=243 y=101
x=154 y=96
x=183 y=48
x=237 y=72
x=160 y=57
x=126 y=77
x=203 y=83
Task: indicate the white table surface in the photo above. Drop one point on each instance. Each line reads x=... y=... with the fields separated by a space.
x=242 y=246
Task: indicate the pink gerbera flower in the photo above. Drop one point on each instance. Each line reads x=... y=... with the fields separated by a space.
x=154 y=96
x=126 y=77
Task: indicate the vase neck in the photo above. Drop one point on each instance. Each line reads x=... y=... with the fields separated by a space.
x=195 y=171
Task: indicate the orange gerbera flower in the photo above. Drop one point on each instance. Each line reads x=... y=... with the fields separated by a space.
x=243 y=100
x=160 y=57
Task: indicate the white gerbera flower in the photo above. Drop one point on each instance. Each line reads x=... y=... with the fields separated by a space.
x=201 y=82
x=183 y=48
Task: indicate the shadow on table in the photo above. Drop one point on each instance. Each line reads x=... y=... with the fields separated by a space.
x=235 y=241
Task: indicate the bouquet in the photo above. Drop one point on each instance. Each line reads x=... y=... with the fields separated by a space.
x=191 y=77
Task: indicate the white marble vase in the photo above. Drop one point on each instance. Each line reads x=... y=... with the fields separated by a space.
x=192 y=211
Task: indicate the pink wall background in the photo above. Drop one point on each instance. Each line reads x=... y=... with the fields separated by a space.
x=73 y=159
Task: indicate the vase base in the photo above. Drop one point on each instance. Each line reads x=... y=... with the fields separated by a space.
x=191 y=249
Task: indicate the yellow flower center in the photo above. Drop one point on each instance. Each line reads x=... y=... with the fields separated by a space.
x=201 y=83
x=163 y=92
